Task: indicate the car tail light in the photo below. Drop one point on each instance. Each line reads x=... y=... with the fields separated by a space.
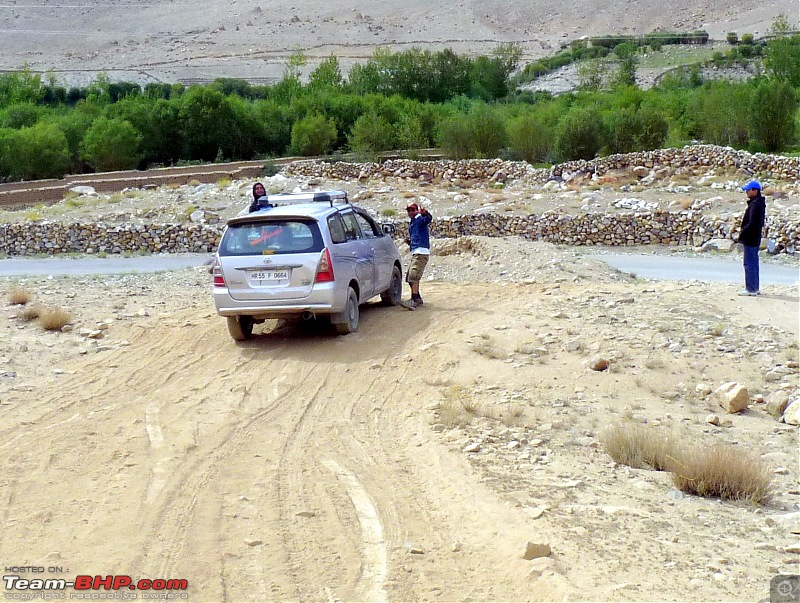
x=216 y=273
x=324 y=268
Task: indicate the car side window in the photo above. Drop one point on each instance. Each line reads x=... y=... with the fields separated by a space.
x=351 y=228
x=336 y=228
x=368 y=228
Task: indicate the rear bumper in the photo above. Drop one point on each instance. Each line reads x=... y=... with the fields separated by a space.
x=316 y=304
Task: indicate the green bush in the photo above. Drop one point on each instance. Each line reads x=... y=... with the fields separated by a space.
x=33 y=153
x=580 y=135
x=371 y=134
x=732 y=38
x=313 y=135
x=630 y=130
x=20 y=115
x=529 y=139
x=111 y=144
x=480 y=134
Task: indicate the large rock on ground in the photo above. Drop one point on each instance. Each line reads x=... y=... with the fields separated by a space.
x=733 y=396
x=792 y=413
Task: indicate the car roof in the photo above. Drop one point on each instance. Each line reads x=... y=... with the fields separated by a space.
x=302 y=210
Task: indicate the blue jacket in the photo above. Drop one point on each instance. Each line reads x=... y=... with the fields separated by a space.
x=418 y=231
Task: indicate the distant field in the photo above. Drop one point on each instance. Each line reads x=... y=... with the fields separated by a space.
x=677 y=55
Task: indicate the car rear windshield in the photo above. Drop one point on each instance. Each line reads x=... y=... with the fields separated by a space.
x=271 y=237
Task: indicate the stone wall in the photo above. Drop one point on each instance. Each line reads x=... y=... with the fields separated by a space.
x=696 y=159
x=688 y=227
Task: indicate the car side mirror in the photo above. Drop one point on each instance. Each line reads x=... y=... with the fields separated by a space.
x=388 y=228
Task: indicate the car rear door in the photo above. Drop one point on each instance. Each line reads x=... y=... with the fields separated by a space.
x=271 y=259
x=381 y=247
x=363 y=253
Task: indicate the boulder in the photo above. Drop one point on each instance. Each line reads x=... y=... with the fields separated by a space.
x=791 y=415
x=777 y=403
x=733 y=397
x=720 y=245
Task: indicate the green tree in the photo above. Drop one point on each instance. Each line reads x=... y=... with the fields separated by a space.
x=580 y=135
x=111 y=145
x=33 y=153
x=20 y=87
x=371 y=134
x=722 y=113
x=313 y=135
x=626 y=50
x=529 y=139
x=411 y=132
x=590 y=74
x=773 y=115
x=207 y=124
x=630 y=130
x=20 y=115
x=480 y=134
x=626 y=72
x=782 y=59
x=328 y=74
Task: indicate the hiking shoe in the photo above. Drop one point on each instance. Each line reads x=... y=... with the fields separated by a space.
x=746 y=293
x=416 y=300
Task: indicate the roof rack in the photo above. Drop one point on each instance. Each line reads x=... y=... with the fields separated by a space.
x=332 y=197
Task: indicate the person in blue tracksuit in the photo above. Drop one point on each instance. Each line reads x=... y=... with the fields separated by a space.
x=420 y=243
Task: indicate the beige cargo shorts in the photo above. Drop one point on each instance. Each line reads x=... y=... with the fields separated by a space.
x=417 y=267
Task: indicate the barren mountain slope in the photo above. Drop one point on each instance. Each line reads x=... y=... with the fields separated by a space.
x=252 y=39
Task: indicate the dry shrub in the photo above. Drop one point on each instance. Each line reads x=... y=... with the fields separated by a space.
x=30 y=312
x=685 y=203
x=639 y=446
x=52 y=319
x=488 y=349
x=457 y=407
x=723 y=472
x=19 y=297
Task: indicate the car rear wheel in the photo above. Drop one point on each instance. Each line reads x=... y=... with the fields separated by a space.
x=394 y=294
x=347 y=321
x=240 y=327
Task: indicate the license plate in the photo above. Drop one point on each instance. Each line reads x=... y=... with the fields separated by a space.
x=261 y=277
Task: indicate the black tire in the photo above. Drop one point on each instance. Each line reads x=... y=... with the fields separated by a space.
x=349 y=318
x=240 y=327
x=393 y=295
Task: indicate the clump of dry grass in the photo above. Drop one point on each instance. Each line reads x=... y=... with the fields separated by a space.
x=30 y=313
x=19 y=297
x=457 y=407
x=723 y=472
x=718 y=471
x=639 y=446
x=52 y=319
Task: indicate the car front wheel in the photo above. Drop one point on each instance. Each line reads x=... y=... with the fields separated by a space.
x=394 y=294
x=347 y=321
x=240 y=327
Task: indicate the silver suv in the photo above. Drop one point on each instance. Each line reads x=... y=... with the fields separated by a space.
x=303 y=255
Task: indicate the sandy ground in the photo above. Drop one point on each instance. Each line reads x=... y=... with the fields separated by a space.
x=200 y=41
x=304 y=466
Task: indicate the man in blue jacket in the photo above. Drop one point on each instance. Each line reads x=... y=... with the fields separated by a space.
x=420 y=243
x=750 y=235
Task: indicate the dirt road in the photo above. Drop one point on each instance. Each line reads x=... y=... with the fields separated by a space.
x=301 y=466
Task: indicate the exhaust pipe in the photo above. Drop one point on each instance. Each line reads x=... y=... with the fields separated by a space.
x=307 y=315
